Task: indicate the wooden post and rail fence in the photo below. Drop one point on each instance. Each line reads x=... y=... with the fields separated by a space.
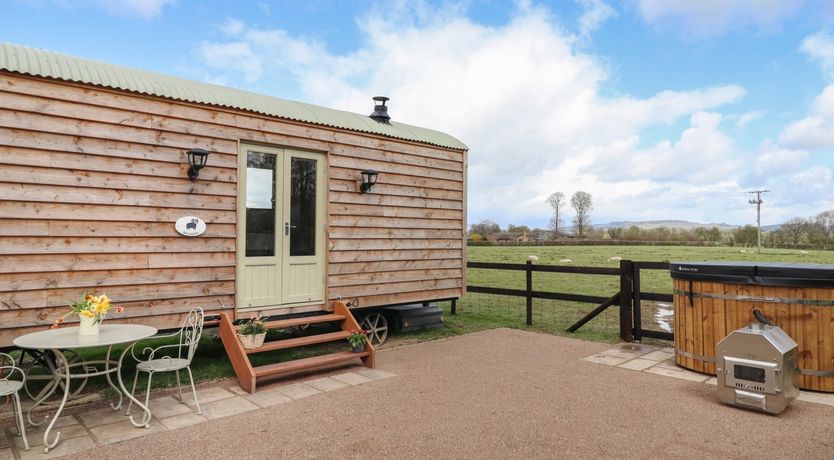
x=629 y=298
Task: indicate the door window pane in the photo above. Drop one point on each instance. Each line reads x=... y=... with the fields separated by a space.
x=260 y=204
x=303 y=207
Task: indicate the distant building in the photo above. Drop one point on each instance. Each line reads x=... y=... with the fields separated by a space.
x=509 y=237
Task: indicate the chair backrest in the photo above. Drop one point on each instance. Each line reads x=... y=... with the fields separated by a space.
x=192 y=329
x=7 y=367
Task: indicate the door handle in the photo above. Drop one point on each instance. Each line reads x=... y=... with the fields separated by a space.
x=287 y=228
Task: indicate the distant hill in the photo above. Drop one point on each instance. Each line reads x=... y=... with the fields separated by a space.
x=679 y=224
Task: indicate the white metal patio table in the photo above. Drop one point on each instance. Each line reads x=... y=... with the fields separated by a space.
x=67 y=338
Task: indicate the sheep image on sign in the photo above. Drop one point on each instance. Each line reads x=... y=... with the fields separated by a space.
x=190 y=226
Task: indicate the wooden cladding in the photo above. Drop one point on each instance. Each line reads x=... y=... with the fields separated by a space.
x=92 y=181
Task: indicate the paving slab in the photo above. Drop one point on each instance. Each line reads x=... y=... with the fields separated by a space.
x=103 y=416
x=65 y=447
x=206 y=395
x=124 y=430
x=297 y=390
x=637 y=348
x=268 y=398
x=226 y=407
x=671 y=365
x=658 y=356
x=620 y=353
x=818 y=398
x=236 y=389
x=375 y=374
x=638 y=364
x=168 y=406
x=35 y=438
x=608 y=360
x=351 y=378
x=326 y=384
x=678 y=374
x=183 y=420
x=6 y=454
x=4 y=438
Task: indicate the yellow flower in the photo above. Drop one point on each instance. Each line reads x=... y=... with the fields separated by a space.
x=87 y=313
x=101 y=304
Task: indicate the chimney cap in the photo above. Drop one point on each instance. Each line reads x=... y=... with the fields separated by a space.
x=380 y=113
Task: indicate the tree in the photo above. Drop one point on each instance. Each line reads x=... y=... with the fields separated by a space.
x=795 y=229
x=583 y=204
x=615 y=233
x=824 y=221
x=518 y=229
x=556 y=201
x=714 y=235
x=484 y=228
x=746 y=236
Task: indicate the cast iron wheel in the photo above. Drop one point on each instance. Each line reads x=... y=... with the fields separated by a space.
x=377 y=327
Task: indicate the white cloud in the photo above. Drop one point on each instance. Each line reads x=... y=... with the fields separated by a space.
x=233 y=54
x=596 y=12
x=522 y=95
x=748 y=117
x=232 y=27
x=701 y=155
x=708 y=18
x=774 y=160
x=815 y=130
x=815 y=180
x=820 y=48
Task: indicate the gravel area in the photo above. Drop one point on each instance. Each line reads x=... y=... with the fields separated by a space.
x=502 y=394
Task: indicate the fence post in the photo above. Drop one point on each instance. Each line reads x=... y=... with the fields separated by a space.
x=626 y=323
x=454 y=306
x=529 y=292
x=636 y=302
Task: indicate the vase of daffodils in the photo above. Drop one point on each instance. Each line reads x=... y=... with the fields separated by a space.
x=91 y=310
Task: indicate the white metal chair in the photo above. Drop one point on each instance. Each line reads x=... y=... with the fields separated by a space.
x=9 y=388
x=165 y=359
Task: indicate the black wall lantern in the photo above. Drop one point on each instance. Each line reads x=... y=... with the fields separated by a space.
x=368 y=180
x=197 y=158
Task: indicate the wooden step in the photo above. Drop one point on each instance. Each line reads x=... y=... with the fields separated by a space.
x=285 y=323
x=306 y=363
x=300 y=341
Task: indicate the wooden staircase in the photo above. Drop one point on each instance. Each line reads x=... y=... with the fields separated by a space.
x=247 y=375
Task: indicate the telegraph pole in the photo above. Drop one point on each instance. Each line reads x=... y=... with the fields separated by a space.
x=758 y=202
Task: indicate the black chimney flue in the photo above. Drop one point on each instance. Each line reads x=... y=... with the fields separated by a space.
x=380 y=110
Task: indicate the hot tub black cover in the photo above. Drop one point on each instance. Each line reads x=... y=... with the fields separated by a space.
x=761 y=273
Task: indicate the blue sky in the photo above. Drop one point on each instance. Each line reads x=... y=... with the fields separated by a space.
x=661 y=109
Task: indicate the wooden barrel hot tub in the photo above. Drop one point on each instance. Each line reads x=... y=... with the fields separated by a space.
x=713 y=299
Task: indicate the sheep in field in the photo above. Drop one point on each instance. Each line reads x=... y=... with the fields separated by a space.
x=615 y=259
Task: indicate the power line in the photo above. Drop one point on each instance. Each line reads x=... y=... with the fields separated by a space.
x=758 y=202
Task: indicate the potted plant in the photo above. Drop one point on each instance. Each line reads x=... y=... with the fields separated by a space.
x=357 y=340
x=252 y=333
x=91 y=310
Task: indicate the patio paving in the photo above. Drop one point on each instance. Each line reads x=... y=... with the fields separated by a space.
x=502 y=393
x=661 y=361
x=84 y=431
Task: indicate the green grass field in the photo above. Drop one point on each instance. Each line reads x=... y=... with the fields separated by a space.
x=486 y=311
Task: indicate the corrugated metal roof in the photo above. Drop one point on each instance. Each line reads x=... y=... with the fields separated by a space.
x=49 y=64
